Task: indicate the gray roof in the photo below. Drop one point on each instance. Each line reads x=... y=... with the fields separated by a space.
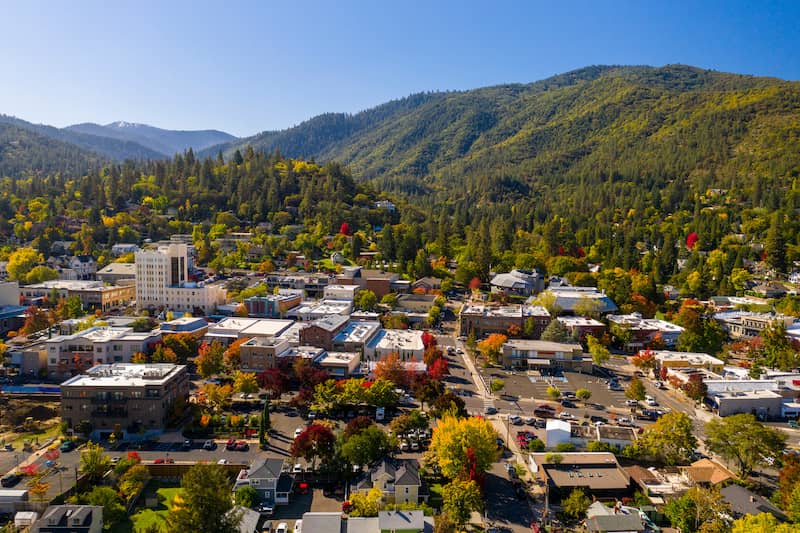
x=403 y=472
x=323 y=523
x=362 y=525
x=69 y=518
x=248 y=522
x=265 y=468
x=332 y=322
x=617 y=522
x=402 y=520
x=744 y=502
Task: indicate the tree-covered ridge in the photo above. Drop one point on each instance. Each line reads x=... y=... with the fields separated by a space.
x=24 y=152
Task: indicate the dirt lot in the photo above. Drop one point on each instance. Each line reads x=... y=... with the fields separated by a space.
x=46 y=417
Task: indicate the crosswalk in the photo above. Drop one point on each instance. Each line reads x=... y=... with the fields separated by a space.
x=487 y=403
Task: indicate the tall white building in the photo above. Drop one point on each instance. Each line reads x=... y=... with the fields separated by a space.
x=162 y=282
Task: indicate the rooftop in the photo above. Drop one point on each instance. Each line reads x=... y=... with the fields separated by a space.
x=337 y=358
x=542 y=346
x=125 y=375
x=692 y=358
x=578 y=321
x=99 y=334
x=357 y=332
x=403 y=339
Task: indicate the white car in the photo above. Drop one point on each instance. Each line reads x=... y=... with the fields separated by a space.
x=298 y=526
x=632 y=403
x=282 y=528
x=222 y=462
x=298 y=468
x=297 y=432
x=565 y=415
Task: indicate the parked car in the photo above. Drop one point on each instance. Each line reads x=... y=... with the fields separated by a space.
x=565 y=415
x=222 y=462
x=490 y=411
x=632 y=403
x=187 y=444
x=298 y=526
x=231 y=444
x=515 y=420
x=568 y=404
x=67 y=446
x=209 y=445
x=530 y=421
x=266 y=508
x=282 y=528
x=242 y=446
x=297 y=468
x=10 y=480
x=297 y=432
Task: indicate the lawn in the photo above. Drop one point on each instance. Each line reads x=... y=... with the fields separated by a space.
x=145 y=517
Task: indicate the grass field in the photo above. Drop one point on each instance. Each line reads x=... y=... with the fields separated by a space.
x=146 y=517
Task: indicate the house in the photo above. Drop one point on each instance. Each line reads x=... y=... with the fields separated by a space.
x=398 y=480
x=124 y=248
x=70 y=519
x=617 y=519
x=746 y=502
x=770 y=290
x=706 y=472
x=84 y=266
x=266 y=475
x=428 y=284
x=518 y=282
x=248 y=519
x=598 y=473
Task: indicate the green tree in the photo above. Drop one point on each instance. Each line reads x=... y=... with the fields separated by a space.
x=497 y=385
x=742 y=439
x=113 y=510
x=366 y=300
x=574 y=506
x=389 y=300
x=670 y=439
x=600 y=353
x=583 y=394
x=775 y=245
x=207 y=502
x=366 y=446
x=460 y=498
x=133 y=481
x=247 y=496
x=635 y=389
x=777 y=348
x=94 y=462
x=548 y=299
x=698 y=509
x=244 y=382
x=40 y=273
x=556 y=332
x=456 y=440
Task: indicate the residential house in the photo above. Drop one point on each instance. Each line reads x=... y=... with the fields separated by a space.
x=84 y=266
x=397 y=479
x=706 y=472
x=746 y=502
x=267 y=477
x=70 y=519
x=618 y=519
x=427 y=284
x=770 y=290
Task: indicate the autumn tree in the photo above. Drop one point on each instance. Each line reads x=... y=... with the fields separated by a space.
x=366 y=504
x=457 y=443
x=574 y=506
x=366 y=300
x=315 y=442
x=635 y=389
x=21 y=262
x=217 y=396
x=670 y=439
x=460 y=498
x=391 y=368
x=245 y=382
x=209 y=360
x=274 y=381
x=645 y=361
x=439 y=369
x=761 y=523
x=698 y=510
x=583 y=394
x=491 y=347
x=94 y=463
x=695 y=388
x=448 y=404
x=233 y=355
x=742 y=439
x=36 y=319
x=184 y=345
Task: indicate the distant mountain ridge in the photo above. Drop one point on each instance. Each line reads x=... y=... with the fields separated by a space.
x=165 y=142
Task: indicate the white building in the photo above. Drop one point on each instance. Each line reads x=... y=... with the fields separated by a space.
x=96 y=346
x=556 y=432
x=123 y=248
x=309 y=312
x=406 y=343
x=162 y=282
x=84 y=266
x=341 y=292
x=233 y=328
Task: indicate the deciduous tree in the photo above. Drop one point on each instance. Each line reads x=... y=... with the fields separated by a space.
x=315 y=442
x=742 y=439
x=460 y=498
x=670 y=439
x=455 y=440
x=207 y=502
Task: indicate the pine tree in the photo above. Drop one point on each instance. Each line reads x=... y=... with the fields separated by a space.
x=775 y=246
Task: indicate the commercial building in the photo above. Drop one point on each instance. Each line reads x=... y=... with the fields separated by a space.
x=766 y=404
x=192 y=325
x=340 y=365
x=92 y=294
x=669 y=359
x=518 y=282
x=273 y=305
x=406 y=343
x=645 y=331
x=70 y=354
x=321 y=332
x=308 y=312
x=233 y=328
x=579 y=327
x=136 y=399
x=487 y=319
x=545 y=355
x=162 y=281
x=341 y=292
x=598 y=473
x=377 y=281
x=261 y=353
x=118 y=274
x=575 y=300
x=746 y=325
x=355 y=336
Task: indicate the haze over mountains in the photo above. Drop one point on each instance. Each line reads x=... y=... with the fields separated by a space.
x=601 y=122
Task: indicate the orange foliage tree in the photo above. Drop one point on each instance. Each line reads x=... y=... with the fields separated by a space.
x=491 y=347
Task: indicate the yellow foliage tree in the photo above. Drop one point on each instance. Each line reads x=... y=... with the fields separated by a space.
x=456 y=441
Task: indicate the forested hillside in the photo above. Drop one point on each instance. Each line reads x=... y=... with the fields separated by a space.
x=24 y=152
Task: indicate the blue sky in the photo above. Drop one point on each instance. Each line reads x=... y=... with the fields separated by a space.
x=245 y=67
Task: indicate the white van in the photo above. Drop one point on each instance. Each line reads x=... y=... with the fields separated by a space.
x=649 y=400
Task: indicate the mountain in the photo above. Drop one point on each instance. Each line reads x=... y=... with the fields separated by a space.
x=601 y=122
x=105 y=146
x=23 y=151
x=165 y=142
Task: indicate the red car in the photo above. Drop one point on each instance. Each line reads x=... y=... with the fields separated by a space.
x=302 y=488
x=347 y=506
x=231 y=444
x=242 y=446
x=159 y=461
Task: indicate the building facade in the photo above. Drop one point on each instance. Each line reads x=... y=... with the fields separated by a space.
x=545 y=355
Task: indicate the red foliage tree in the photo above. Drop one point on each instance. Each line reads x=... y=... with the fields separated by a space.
x=134 y=456
x=438 y=370
x=428 y=339
x=357 y=425
x=344 y=229
x=315 y=442
x=662 y=374
x=691 y=240
x=273 y=380
x=475 y=283
x=431 y=354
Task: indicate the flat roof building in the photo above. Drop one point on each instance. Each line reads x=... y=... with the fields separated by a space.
x=340 y=365
x=487 y=319
x=406 y=343
x=669 y=359
x=355 y=336
x=136 y=398
x=545 y=355
x=92 y=294
x=230 y=329
x=598 y=473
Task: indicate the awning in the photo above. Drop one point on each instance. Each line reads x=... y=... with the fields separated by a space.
x=538 y=362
